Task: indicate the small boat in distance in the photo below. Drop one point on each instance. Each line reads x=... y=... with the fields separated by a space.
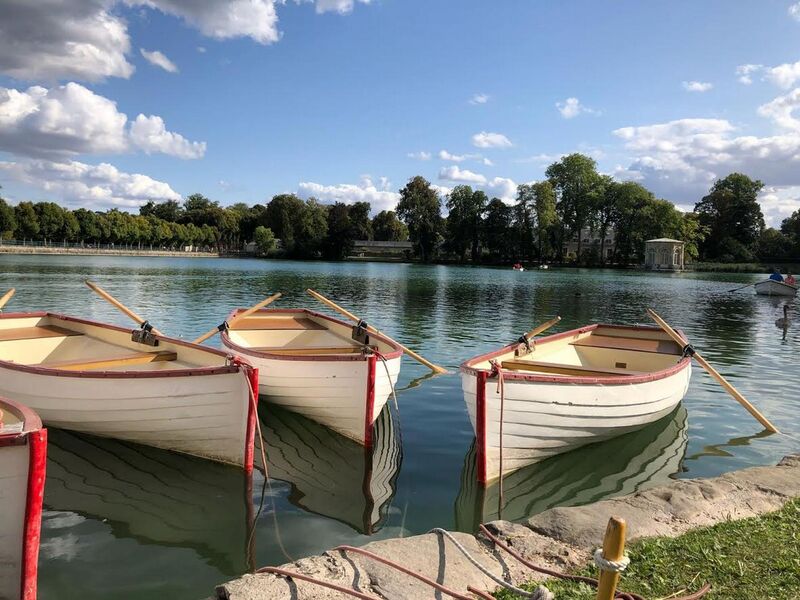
x=566 y=390
x=23 y=456
x=771 y=287
x=323 y=368
x=108 y=381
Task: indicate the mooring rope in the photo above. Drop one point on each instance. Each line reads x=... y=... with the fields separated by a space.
x=615 y=566
x=541 y=592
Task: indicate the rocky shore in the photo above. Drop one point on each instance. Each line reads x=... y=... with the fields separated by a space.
x=561 y=538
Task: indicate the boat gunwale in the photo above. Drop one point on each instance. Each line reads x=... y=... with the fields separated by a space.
x=31 y=422
x=467 y=367
x=107 y=374
x=229 y=343
x=783 y=283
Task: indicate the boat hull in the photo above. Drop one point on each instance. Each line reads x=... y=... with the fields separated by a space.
x=203 y=411
x=22 y=474
x=771 y=287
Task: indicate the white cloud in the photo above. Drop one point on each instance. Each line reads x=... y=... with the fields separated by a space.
x=158 y=59
x=70 y=119
x=781 y=110
x=79 y=184
x=151 y=135
x=454 y=173
x=744 y=72
x=379 y=196
x=421 y=155
x=486 y=139
x=504 y=188
x=487 y=162
x=784 y=75
x=572 y=107
x=479 y=99
x=53 y=39
x=697 y=86
x=794 y=11
x=541 y=159
x=340 y=6
x=201 y=49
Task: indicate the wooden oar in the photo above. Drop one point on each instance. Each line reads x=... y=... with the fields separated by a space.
x=241 y=315
x=6 y=297
x=713 y=372
x=740 y=288
x=543 y=327
x=105 y=295
x=355 y=319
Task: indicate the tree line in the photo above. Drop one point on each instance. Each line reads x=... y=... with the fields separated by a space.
x=576 y=215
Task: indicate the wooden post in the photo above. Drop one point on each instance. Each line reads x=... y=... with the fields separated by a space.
x=614 y=550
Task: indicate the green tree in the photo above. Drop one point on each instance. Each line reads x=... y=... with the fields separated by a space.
x=51 y=219
x=630 y=201
x=27 y=221
x=359 y=220
x=464 y=220
x=338 y=243
x=8 y=220
x=497 y=229
x=693 y=233
x=525 y=220
x=733 y=216
x=70 y=228
x=420 y=209
x=282 y=216
x=169 y=210
x=546 y=218
x=89 y=227
x=386 y=227
x=774 y=245
x=264 y=240
x=576 y=183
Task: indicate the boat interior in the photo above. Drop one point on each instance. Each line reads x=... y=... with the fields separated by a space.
x=11 y=421
x=606 y=351
x=298 y=334
x=55 y=343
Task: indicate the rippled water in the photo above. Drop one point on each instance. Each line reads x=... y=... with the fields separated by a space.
x=125 y=521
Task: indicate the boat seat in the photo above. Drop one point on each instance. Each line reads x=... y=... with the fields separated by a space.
x=277 y=323
x=310 y=351
x=34 y=333
x=632 y=344
x=137 y=358
x=568 y=370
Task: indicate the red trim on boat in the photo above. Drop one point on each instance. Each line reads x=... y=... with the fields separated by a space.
x=43 y=370
x=252 y=402
x=480 y=425
x=37 y=442
x=226 y=340
x=369 y=406
x=467 y=365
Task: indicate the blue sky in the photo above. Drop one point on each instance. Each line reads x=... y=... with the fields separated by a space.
x=347 y=99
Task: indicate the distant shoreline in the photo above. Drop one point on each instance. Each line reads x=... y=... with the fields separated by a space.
x=48 y=250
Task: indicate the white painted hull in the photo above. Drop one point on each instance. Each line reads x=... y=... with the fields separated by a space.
x=153 y=496
x=620 y=466
x=331 y=475
x=774 y=288
x=13 y=493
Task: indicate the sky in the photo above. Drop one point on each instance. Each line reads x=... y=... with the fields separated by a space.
x=110 y=103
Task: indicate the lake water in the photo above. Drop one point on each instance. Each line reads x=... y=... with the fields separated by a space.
x=124 y=521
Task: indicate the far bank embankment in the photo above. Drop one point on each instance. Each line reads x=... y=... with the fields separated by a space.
x=77 y=251
x=560 y=538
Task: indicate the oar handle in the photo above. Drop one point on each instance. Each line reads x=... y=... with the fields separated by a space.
x=715 y=374
x=246 y=313
x=105 y=295
x=355 y=319
x=543 y=327
x=6 y=297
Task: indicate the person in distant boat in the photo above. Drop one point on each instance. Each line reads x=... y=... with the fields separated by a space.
x=776 y=275
x=790 y=279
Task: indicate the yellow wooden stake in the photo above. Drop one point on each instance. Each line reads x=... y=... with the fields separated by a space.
x=355 y=319
x=6 y=297
x=241 y=315
x=613 y=550
x=715 y=374
x=106 y=296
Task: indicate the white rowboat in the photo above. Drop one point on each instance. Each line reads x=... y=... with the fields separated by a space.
x=23 y=455
x=770 y=287
x=93 y=378
x=568 y=390
x=311 y=364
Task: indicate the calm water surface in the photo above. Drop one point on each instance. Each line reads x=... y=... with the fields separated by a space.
x=124 y=521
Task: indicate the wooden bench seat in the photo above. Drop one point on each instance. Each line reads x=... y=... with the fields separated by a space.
x=310 y=351
x=277 y=323
x=111 y=362
x=35 y=333
x=632 y=344
x=567 y=370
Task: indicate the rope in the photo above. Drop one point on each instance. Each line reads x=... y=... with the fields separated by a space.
x=615 y=566
x=501 y=389
x=332 y=586
x=541 y=593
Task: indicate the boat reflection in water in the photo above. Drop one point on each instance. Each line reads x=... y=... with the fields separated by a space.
x=615 y=467
x=157 y=497
x=329 y=474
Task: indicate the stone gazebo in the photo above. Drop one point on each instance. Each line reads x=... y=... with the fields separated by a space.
x=664 y=254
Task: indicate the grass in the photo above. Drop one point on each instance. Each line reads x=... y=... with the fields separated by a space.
x=743 y=560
